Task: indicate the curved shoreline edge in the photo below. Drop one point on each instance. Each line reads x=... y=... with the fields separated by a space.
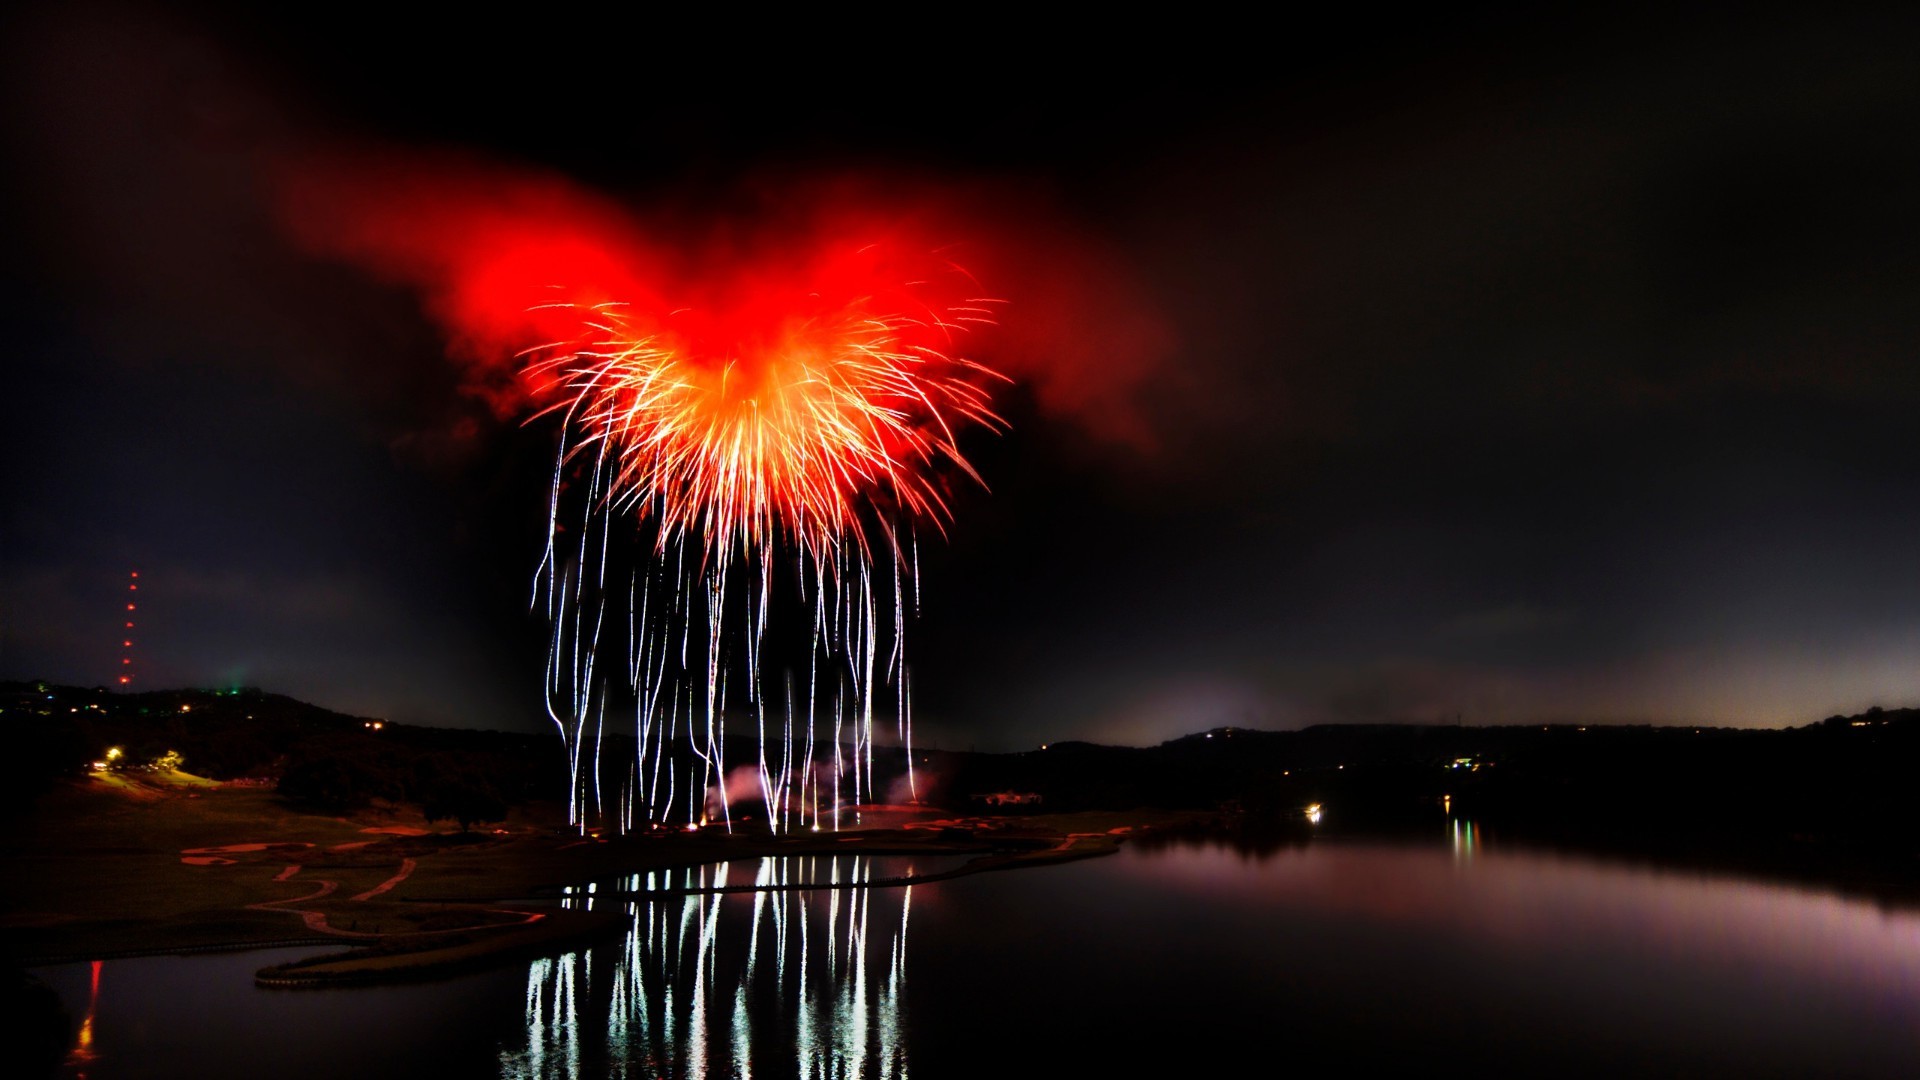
x=404 y=959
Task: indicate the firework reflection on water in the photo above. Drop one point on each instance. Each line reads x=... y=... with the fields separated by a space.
x=812 y=986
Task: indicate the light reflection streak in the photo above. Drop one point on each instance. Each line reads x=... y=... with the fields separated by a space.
x=82 y=1053
x=1463 y=840
x=781 y=982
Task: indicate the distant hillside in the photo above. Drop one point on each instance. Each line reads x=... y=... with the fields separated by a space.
x=1844 y=779
x=1871 y=750
x=335 y=760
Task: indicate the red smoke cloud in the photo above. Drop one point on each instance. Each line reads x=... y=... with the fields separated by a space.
x=1085 y=334
x=485 y=247
x=491 y=248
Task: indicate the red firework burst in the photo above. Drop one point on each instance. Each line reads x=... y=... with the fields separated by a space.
x=800 y=410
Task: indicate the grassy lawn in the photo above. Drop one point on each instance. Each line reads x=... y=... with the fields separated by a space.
x=98 y=865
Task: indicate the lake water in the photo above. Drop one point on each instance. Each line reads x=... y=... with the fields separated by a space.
x=1440 y=957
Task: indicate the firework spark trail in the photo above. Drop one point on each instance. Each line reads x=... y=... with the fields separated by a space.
x=815 y=443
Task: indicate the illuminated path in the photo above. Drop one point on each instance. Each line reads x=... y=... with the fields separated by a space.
x=317 y=921
x=406 y=867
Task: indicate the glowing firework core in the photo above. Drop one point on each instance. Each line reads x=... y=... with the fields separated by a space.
x=784 y=428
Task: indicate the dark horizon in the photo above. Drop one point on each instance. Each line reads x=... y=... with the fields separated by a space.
x=1554 y=368
x=741 y=729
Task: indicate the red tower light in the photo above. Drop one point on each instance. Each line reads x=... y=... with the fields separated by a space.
x=126 y=642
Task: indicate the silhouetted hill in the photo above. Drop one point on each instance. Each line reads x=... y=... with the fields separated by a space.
x=1843 y=778
x=333 y=760
x=1838 y=783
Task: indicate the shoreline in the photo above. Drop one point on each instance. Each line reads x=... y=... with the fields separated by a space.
x=108 y=876
x=168 y=873
x=564 y=929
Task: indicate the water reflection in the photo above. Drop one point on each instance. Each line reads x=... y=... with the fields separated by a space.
x=1254 y=839
x=804 y=976
x=82 y=1053
x=794 y=873
x=1187 y=959
x=1463 y=839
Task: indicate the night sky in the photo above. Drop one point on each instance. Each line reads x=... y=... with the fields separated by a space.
x=1497 y=367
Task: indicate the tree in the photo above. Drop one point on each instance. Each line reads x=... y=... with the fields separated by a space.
x=340 y=774
x=455 y=789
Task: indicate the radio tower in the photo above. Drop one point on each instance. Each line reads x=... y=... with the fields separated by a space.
x=126 y=639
